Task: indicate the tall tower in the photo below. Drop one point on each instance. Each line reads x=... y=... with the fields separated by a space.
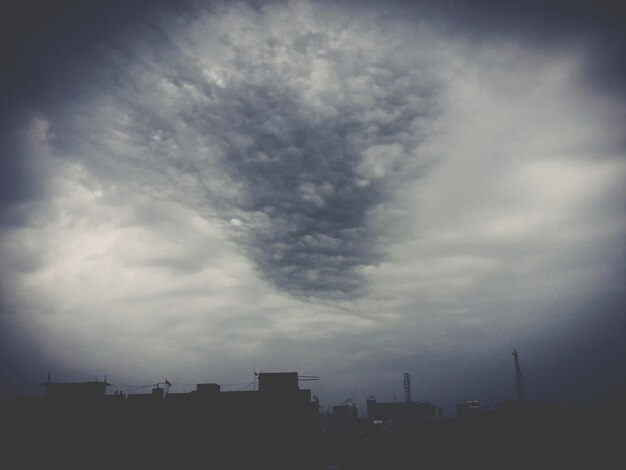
x=407 y=387
x=519 y=379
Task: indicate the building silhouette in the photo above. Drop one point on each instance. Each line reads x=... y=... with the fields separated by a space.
x=471 y=408
x=75 y=390
x=276 y=426
x=344 y=418
x=402 y=412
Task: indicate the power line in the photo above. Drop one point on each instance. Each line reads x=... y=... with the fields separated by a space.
x=143 y=386
x=247 y=386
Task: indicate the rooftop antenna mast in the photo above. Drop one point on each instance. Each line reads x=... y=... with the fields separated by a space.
x=407 y=387
x=519 y=379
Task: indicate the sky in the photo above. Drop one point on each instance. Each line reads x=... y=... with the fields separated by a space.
x=351 y=190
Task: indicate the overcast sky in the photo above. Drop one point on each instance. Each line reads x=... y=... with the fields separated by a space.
x=342 y=189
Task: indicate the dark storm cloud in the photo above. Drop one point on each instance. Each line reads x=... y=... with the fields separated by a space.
x=308 y=172
x=302 y=178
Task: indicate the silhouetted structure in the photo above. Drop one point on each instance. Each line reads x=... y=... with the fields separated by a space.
x=74 y=423
x=207 y=389
x=407 y=387
x=411 y=412
x=344 y=417
x=278 y=382
x=471 y=408
x=520 y=388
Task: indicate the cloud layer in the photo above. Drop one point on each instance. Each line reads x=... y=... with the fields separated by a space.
x=300 y=186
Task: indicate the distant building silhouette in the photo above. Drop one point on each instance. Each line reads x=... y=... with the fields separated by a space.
x=75 y=390
x=407 y=412
x=469 y=408
x=278 y=382
x=344 y=417
x=207 y=389
x=78 y=426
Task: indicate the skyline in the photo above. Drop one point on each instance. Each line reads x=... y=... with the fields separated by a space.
x=202 y=190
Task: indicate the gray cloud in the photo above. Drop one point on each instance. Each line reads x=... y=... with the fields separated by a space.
x=305 y=197
x=310 y=136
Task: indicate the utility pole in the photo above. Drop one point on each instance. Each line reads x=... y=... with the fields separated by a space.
x=407 y=387
x=519 y=379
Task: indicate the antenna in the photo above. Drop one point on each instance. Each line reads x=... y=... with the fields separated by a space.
x=519 y=379
x=305 y=378
x=407 y=387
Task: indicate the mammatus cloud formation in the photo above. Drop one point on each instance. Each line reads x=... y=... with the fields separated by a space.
x=291 y=126
x=316 y=187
